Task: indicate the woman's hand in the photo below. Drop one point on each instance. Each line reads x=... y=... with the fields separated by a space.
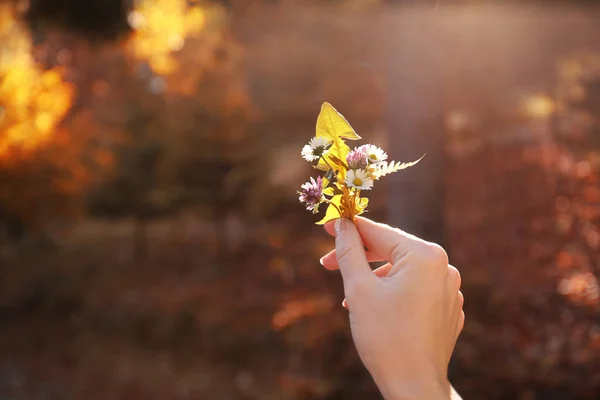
x=405 y=316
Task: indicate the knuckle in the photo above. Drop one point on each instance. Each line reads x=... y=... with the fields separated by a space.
x=435 y=255
x=454 y=277
x=461 y=322
x=461 y=300
x=398 y=252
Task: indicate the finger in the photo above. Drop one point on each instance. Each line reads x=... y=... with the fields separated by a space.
x=392 y=244
x=329 y=260
x=456 y=305
x=383 y=271
x=455 y=296
x=460 y=301
x=351 y=256
x=461 y=324
x=459 y=314
x=453 y=279
x=330 y=227
x=380 y=272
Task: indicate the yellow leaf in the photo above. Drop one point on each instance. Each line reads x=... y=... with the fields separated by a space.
x=328 y=191
x=332 y=211
x=333 y=126
x=338 y=162
x=361 y=205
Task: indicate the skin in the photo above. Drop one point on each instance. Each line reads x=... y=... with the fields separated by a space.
x=405 y=316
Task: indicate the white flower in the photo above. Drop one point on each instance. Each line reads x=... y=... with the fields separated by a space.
x=315 y=148
x=359 y=179
x=374 y=154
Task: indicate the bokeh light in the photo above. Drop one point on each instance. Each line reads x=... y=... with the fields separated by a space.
x=161 y=28
x=34 y=101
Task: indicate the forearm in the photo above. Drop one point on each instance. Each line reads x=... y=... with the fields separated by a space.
x=415 y=390
x=418 y=390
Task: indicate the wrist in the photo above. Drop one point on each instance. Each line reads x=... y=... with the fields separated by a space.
x=420 y=383
x=416 y=390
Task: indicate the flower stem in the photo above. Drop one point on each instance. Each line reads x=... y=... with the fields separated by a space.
x=348 y=201
x=325 y=161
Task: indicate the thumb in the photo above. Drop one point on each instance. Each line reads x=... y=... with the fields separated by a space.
x=350 y=254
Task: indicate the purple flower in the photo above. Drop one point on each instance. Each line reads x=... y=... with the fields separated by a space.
x=312 y=193
x=357 y=158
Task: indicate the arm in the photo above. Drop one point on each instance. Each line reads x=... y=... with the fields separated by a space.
x=405 y=316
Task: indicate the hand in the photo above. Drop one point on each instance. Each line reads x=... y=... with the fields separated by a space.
x=405 y=316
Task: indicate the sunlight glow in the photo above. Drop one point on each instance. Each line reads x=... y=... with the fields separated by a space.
x=581 y=287
x=539 y=106
x=34 y=101
x=161 y=28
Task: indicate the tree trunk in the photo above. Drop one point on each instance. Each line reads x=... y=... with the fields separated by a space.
x=416 y=127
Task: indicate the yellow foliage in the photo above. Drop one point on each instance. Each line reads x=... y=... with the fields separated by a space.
x=333 y=210
x=161 y=28
x=333 y=126
x=361 y=205
x=33 y=101
x=351 y=172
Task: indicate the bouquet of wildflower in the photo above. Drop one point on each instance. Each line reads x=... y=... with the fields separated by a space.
x=346 y=173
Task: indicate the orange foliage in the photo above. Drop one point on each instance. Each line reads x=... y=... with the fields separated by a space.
x=48 y=153
x=34 y=102
x=161 y=28
x=293 y=311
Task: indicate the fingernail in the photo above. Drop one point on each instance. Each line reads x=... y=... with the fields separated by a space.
x=321 y=261
x=341 y=224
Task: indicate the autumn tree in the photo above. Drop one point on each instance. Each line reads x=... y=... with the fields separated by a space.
x=187 y=139
x=47 y=157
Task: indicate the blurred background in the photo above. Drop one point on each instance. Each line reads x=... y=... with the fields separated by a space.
x=151 y=242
